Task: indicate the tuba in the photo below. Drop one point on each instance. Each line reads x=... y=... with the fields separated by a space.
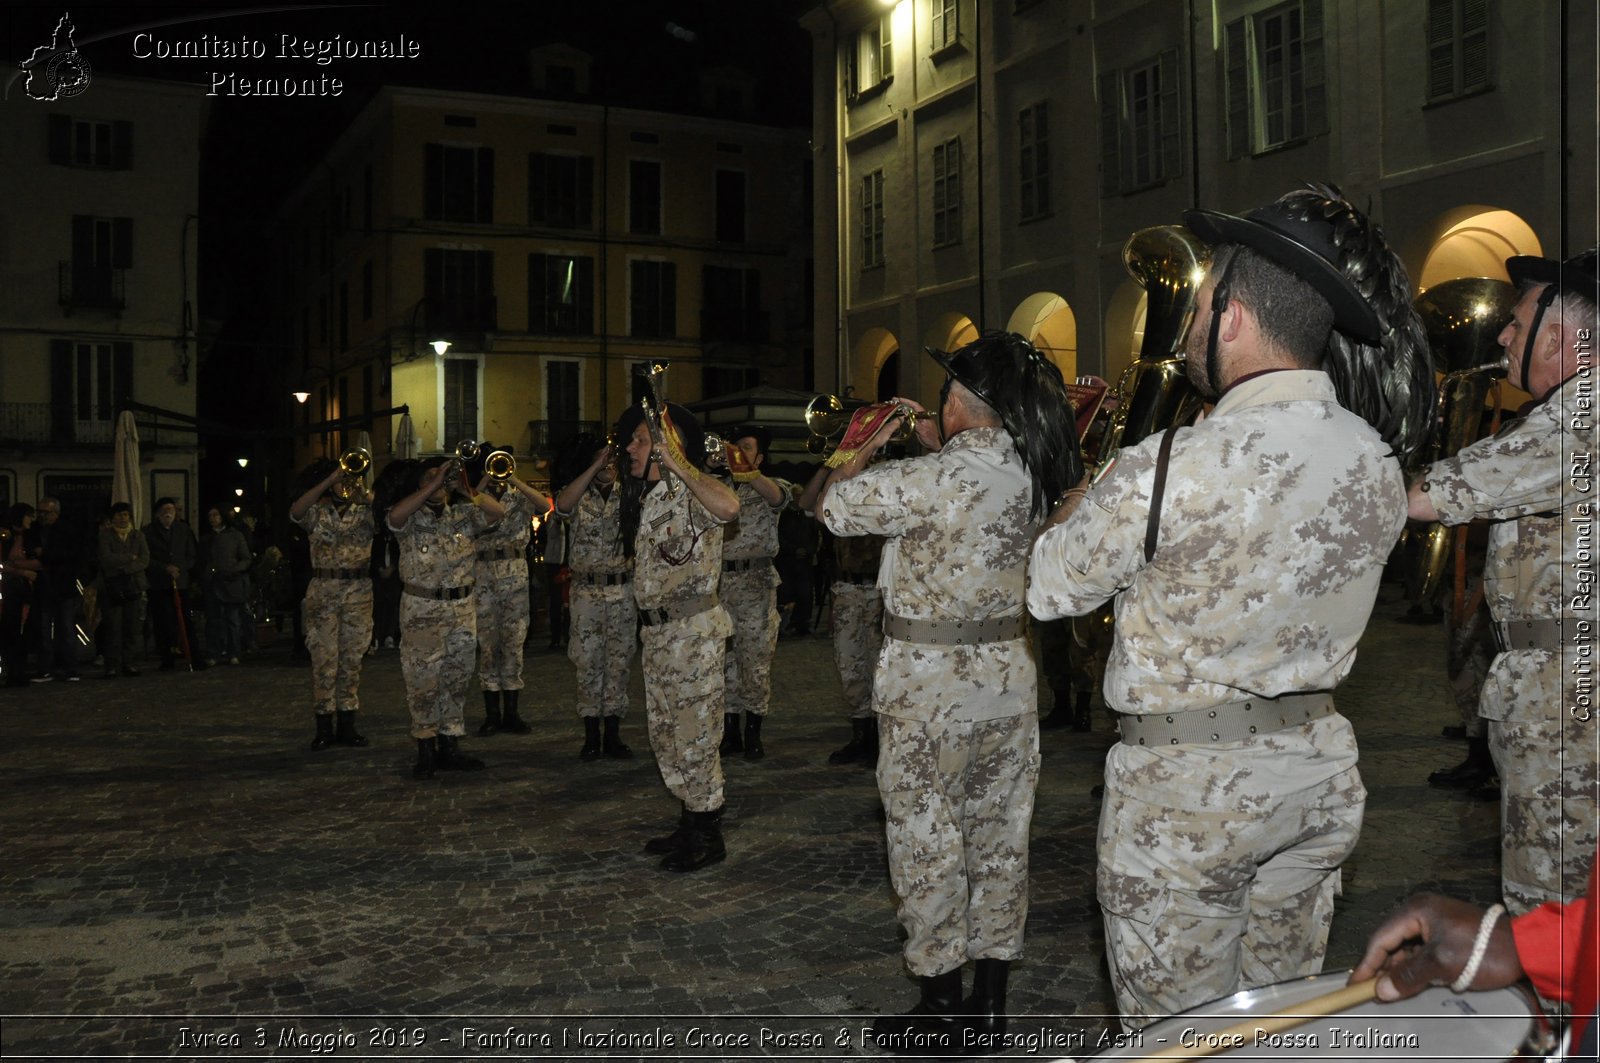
x=1463 y=319
x=1154 y=393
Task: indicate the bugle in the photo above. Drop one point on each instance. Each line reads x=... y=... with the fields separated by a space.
x=499 y=465
x=656 y=377
x=827 y=418
x=353 y=464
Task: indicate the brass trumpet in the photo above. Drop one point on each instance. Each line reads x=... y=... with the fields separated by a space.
x=499 y=465
x=827 y=418
x=354 y=464
x=716 y=452
x=656 y=377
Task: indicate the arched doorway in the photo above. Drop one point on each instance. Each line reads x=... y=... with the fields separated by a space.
x=1050 y=325
x=872 y=353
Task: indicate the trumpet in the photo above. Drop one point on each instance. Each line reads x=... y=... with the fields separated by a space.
x=656 y=377
x=500 y=465
x=354 y=464
x=827 y=418
x=716 y=452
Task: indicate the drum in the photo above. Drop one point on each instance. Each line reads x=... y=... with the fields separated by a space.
x=1436 y=1024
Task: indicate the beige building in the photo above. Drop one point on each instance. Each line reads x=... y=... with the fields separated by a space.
x=502 y=267
x=99 y=195
x=982 y=164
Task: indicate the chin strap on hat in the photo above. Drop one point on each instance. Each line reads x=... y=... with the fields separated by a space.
x=1546 y=297
x=1219 y=304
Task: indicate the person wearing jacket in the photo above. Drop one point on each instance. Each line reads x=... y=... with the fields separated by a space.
x=173 y=552
x=124 y=559
x=225 y=562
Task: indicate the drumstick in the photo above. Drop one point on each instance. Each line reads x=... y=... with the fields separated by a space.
x=1245 y=1032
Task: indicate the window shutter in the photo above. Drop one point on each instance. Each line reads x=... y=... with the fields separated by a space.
x=433 y=283
x=1171 y=116
x=669 y=299
x=121 y=373
x=585 y=214
x=536 y=293
x=433 y=181
x=538 y=188
x=585 y=296
x=1316 y=93
x=122 y=145
x=936 y=24
x=60 y=139
x=82 y=241
x=121 y=243
x=1474 y=44
x=485 y=211
x=886 y=49
x=61 y=391
x=1236 y=89
x=1110 y=130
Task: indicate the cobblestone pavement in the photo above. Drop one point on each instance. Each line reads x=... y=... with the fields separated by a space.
x=184 y=878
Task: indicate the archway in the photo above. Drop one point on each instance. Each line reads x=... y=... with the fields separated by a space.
x=875 y=347
x=1050 y=325
x=1124 y=328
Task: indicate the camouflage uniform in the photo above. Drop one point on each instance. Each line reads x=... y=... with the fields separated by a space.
x=604 y=617
x=749 y=592
x=500 y=595
x=1524 y=479
x=337 y=612
x=1219 y=862
x=958 y=734
x=677 y=561
x=857 y=618
x=437 y=554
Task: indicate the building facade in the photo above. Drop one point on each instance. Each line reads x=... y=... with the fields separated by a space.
x=503 y=267
x=99 y=201
x=982 y=165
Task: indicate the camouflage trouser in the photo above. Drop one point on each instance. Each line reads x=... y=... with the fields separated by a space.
x=1548 y=777
x=502 y=615
x=1219 y=864
x=601 y=646
x=751 y=599
x=436 y=661
x=958 y=798
x=337 y=614
x=1471 y=648
x=857 y=638
x=683 y=704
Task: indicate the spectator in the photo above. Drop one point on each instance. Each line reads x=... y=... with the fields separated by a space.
x=173 y=552
x=19 y=571
x=124 y=559
x=225 y=564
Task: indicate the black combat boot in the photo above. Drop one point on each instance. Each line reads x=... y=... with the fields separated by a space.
x=612 y=745
x=753 y=749
x=509 y=720
x=670 y=843
x=731 y=741
x=1471 y=773
x=701 y=843
x=856 y=748
x=931 y=1027
x=1081 y=720
x=591 y=739
x=491 y=713
x=985 y=1010
x=424 y=767
x=448 y=756
x=345 y=732
x=324 y=737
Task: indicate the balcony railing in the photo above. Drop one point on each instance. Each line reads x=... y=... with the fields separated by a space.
x=90 y=287
x=42 y=422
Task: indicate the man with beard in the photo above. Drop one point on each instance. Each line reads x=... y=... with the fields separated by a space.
x=337 y=611
x=672 y=518
x=436 y=535
x=1247 y=551
x=604 y=617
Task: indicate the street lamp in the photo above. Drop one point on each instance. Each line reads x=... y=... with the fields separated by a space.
x=301 y=396
x=244 y=463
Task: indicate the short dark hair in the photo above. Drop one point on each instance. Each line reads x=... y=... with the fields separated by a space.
x=762 y=436
x=1291 y=314
x=164 y=501
x=121 y=507
x=19 y=512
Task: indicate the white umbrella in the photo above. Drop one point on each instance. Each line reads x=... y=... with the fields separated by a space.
x=126 y=480
x=405 y=438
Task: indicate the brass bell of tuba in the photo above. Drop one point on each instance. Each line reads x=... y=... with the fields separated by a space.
x=1463 y=319
x=1153 y=393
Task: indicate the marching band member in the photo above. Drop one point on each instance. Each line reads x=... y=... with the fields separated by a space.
x=604 y=617
x=437 y=556
x=500 y=594
x=1247 y=551
x=673 y=532
x=337 y=612
x=749 y=590
x=956 y=690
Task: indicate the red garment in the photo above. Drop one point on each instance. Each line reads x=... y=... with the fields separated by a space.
x=1559 y=948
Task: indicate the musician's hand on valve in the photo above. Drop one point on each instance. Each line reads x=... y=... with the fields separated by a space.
x=1429 y=941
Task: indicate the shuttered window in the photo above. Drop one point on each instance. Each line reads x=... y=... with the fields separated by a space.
x=1033 y=162
x=1275 y=81
x=458 y=183
x=1140 y=125
x=1458 y=47
x=947 y=193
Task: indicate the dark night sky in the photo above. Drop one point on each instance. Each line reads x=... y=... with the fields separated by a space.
x=646 y=54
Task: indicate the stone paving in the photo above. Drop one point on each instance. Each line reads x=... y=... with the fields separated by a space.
x=185 y=879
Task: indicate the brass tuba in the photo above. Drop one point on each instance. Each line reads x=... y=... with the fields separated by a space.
x=1463 y=319
x=1153 y=393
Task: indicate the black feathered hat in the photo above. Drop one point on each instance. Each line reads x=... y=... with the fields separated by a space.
x=1576 y=275
x=1027 y=391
